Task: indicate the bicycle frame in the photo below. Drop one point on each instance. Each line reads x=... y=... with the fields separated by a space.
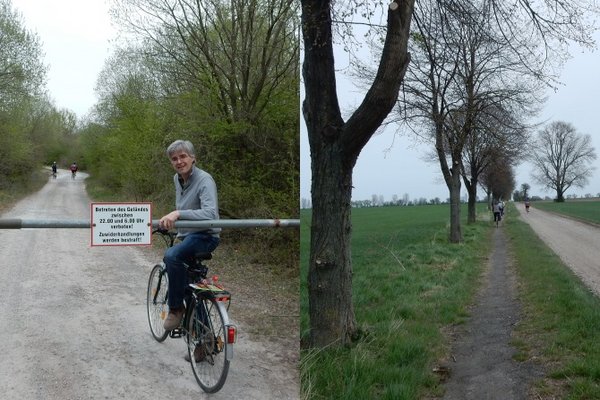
x=230 y=329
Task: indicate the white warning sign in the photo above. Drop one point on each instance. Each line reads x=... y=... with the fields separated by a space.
x=121 y=224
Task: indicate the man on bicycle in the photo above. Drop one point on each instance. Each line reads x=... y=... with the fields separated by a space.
x=497 y=212
x=73 y=169
x=195 y=199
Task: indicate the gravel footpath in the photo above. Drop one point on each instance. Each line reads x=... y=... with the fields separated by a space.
x=576 y=243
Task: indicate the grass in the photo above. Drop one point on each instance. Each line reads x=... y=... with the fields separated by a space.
x=561 y=324
x=408 y=284
x=588 y=210
x=11 y=191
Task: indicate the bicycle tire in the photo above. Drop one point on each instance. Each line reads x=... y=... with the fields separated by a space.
x=210 y=334
x=156 y=301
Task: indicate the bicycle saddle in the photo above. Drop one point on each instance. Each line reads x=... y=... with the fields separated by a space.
x=202 y=256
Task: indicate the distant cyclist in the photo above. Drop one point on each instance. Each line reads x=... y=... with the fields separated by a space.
x=54 y=168
x=497 y=213
x=73 y=170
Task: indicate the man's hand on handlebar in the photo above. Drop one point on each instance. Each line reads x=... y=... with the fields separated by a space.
x=168 y=221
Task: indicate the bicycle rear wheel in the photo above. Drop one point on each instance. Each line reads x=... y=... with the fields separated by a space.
x=206 y=339
x=156 y=301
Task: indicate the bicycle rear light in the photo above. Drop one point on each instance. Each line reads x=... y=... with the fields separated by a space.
x=231 y=334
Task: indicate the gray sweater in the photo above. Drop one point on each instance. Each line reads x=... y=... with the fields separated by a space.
x=196 y=200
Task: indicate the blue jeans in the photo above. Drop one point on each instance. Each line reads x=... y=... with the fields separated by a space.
x=174 y=258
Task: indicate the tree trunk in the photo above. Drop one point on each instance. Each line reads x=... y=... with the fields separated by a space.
x=471 y=186
x=335 y=146
x=472 y=202
x=330 y=266
x=452 y=178
x=454 y=188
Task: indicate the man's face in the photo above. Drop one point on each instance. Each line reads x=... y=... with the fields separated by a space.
x=183 y=163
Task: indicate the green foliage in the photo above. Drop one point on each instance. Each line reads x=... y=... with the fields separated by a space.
x=15 y=152
x=22 y=72
x=239 y=109
x=32 y=131
x=19 y=188
x=408 y=282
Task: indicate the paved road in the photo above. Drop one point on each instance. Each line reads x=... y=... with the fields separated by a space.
x=73 y=322
x=576 y=243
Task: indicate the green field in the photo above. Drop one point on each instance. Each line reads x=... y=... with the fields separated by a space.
x=410 y=284
x=588 y=210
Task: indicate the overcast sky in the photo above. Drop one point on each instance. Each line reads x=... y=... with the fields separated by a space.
x=76 y=38
x=394 y=165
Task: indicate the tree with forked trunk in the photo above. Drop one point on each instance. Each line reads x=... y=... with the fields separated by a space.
x=335 y=145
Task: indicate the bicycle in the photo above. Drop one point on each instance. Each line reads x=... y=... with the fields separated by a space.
x=205 y=325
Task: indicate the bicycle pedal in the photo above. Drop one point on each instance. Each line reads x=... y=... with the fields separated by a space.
x=176 y=333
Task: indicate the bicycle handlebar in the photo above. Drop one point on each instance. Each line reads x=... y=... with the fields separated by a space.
x=166 y=234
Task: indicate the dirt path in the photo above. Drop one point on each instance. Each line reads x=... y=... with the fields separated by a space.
x=576 y=243
x=73 y=321
x=482 y=366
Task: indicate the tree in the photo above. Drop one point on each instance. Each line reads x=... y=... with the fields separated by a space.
x=499 y=178
x=520 y=195
x=30 y=126
x=228 y=78
x=525 y=190
x=562 y=158
x=498 y=131
x=22 y=73
x=335 y=145
x=239 y=51
x=468 y=92
x=434 y=93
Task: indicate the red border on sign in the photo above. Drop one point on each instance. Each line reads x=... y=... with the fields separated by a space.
x=118 y=203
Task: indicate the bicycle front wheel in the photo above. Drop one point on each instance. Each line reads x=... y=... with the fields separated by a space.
x=156 y=301
x=207 y=344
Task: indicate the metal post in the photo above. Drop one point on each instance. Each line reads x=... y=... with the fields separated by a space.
x=17 y=223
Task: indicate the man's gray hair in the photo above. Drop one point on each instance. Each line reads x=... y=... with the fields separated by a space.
x=181 y=145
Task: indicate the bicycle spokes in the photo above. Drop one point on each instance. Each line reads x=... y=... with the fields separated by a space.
x=207 y=329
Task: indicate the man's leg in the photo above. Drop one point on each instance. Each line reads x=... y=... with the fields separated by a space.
x=178 y=278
